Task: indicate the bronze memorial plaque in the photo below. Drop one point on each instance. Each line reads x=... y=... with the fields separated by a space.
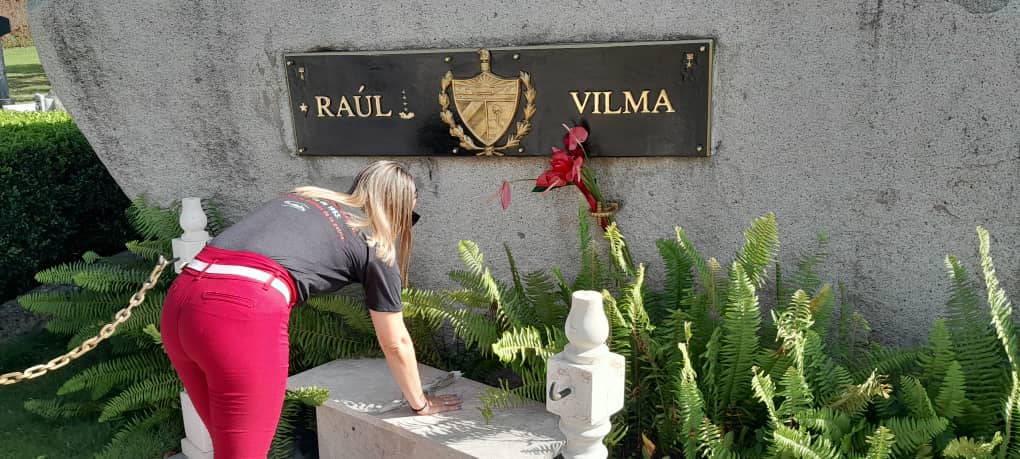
x=637 y=99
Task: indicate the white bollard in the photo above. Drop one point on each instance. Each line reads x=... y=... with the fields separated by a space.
x=193 y=221
x=196 y=444
x=585 y=382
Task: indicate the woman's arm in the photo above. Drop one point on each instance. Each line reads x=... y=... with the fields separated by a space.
x=399 y=351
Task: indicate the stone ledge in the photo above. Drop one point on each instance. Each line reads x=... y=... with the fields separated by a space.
x=347 y=428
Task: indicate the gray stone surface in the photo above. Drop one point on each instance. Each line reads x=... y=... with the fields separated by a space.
x=891 y=125
x=348 y=427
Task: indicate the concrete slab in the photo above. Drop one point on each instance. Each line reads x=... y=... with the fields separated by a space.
x=349 y=428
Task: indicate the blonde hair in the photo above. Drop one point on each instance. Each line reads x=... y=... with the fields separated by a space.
x=385 y=192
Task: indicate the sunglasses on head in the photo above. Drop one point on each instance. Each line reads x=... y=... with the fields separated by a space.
x=414 y=217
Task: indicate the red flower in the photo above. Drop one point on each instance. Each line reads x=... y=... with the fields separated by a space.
x=574 y=138
x=563 y=170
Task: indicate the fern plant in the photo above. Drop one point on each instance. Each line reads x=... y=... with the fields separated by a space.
x=137 y=388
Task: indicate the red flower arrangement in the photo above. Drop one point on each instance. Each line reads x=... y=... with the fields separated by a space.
x=567 y=167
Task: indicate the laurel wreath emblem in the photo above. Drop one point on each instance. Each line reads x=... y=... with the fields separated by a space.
x=523 y=126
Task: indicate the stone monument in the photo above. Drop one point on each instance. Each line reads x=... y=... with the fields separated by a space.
x=891 y=126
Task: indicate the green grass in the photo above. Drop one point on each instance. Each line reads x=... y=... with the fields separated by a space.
x=25 y=435
x=25 y=75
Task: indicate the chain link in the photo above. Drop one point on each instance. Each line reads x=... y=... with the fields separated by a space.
x=107 y=331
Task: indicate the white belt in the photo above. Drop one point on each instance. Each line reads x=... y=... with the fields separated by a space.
x=243 y=271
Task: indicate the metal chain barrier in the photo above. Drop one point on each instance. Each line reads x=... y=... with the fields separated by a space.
x=122 y=316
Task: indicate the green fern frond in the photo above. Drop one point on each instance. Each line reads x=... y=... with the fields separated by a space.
x=691 y=402
x=913 y=395
x=969 y=448
x=617 y=248
x=429 y=305
x=502 y=398
x=951 y=396
x=1002 y=319
x=63 y=326
x=761 y=241
x=978 y=350
x=823 y=305
x=679 y=278
x=827 y=378
x=471 y=256
x=146 y=436
x=153 y=333
x=935 y=358
x=741 y=321
x=802 y=445
x=514 y=274
x=632 y=305
x=706 y=275
x=153 y=222
x=165 y=386
x=111 y=278
x=545 y=299
x=297 y=407
x=520 y=345
x=765 y=392
x=151 y=249
x=475 y=329
x=792 y=324
x=57 y=408
x=350 y=310
x=797 y=395
x=833 y=424
x=122 y=370
x=911 y=433
x=714 y=444
x=61 y=274
x=77 y=305
x=309 y=396
x=880 y=444
x=317 y=337
x=856 y=398
x=806 y=276
x=886 y=361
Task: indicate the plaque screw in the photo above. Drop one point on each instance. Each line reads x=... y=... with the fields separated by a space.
x=455 y=150
x=517 y=57
x=302 y=150
x=700 y=148
x=447 y=59
x=290 y=63
x=520 y=150
x=702 y=49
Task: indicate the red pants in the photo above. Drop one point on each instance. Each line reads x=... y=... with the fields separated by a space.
x=227 y=338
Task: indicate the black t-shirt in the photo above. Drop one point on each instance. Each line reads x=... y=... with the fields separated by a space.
x=313 y=240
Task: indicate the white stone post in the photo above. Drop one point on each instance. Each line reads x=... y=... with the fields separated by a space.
x=193 y=221
x=585 y=382
x=197 y=443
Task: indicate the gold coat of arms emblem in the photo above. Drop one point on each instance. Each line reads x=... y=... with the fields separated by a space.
x=487 y=104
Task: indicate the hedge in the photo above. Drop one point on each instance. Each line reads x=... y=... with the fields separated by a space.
x=57 y=200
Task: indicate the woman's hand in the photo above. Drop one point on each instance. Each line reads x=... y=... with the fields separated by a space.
x=436 y=404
